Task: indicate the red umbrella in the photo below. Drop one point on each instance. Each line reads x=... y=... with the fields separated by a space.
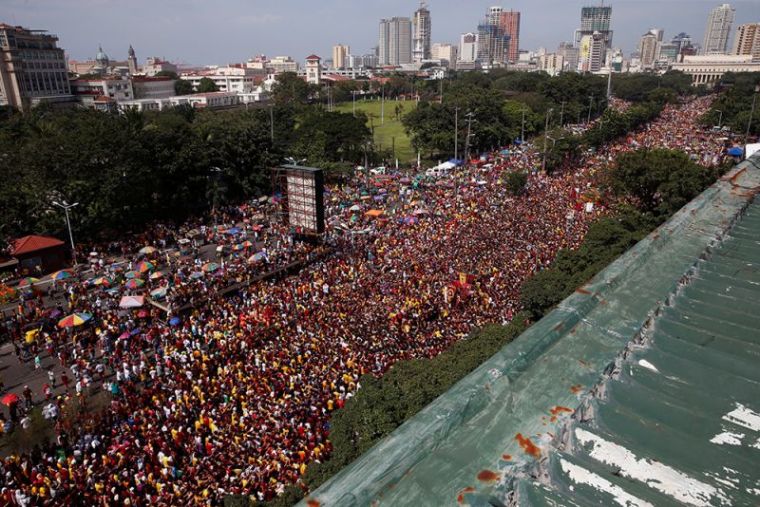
x=9 y=399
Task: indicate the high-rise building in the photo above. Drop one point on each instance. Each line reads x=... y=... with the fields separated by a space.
x=747 y=40
x=718 y=29
x=421 y=49
x=509 y=22
x=446 y=53
x=649 y=48
x=591 y=52
x=132 y=61
x=340 y=53
x=32 y=68
x=569 y=54
x=681 y=40
x=595 y=20
x=468 y=47
x=395 y=41
x=493 y=41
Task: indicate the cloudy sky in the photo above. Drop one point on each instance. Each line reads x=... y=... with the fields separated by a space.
x=205 y=32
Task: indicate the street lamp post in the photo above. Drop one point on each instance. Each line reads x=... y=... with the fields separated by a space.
x=456 y=133
x=522 y=131
x=720 y=117
x=751 y=113
x=546 y=137
x=66 y=207
x=590 y=103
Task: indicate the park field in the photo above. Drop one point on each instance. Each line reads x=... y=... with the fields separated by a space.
x=389 y=129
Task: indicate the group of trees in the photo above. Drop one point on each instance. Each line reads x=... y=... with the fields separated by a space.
x=130 y=168
x=503 y=103
x=659 y=182
x=733 y=106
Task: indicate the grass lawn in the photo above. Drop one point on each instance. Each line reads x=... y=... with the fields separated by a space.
x=390 y=129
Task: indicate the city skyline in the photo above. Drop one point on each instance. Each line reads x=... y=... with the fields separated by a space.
x=233 y=35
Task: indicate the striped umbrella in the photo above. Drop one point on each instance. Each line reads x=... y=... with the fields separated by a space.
x=145 y=266
x=147 y=250
x=210 y=267
x=75 y=319
x=102 y=280
x=132 y=274
x=156 y=275
x=62 y=274
x=28 y=281
x=134 y=283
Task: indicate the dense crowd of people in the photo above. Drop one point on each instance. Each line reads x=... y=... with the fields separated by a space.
x=234 y=396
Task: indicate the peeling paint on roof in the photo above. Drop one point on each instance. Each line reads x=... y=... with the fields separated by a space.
x=743 y=416
x=665 y=479
x=619 y=495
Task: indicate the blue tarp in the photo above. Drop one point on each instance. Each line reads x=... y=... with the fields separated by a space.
x=735 y=151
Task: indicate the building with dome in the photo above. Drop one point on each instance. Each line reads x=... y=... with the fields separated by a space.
x=102 y=62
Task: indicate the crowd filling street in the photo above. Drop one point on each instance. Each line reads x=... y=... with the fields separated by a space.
x=151 y=405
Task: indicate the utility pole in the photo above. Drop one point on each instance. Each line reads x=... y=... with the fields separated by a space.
x=441 y=92
x=720 y=118
x=562 y=114
x=546 y=137
x=522 y=132
x=751 y=114
x=66 y=207
x=456 y=133
x=382 y=106
x=590 y=103
x=469 y=134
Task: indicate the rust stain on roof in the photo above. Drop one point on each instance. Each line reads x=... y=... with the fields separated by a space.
x=528 y=446
x=460 y=496
x=575 y=389
x=312 y=503
x=581 y=290
x=488 y=476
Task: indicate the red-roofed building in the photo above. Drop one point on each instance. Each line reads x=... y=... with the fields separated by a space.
x=44 y=251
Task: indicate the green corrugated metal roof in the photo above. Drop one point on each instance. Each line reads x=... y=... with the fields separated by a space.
x=642 y=388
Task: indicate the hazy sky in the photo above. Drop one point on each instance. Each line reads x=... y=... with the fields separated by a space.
x=222 y=31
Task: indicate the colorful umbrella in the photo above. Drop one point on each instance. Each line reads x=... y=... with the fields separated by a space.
x=132 y=301
x=247 y=244
x=145 y=266
x=102 y=280
x=158 y=293
x=256 y=257
x=75 y=319
x=233 y=231
x=134 y=283
x=132 y=274
x=210 y=267
x=9 y=399
x=174 y=321
x=62 y=274
x=28 y=281
x=156 y=275
x=143 y=313
x=196 y=274
x=147 y=250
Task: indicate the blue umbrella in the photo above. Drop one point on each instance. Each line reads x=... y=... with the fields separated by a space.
x=233 y=231
x=174 y=321
x=735 y=151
